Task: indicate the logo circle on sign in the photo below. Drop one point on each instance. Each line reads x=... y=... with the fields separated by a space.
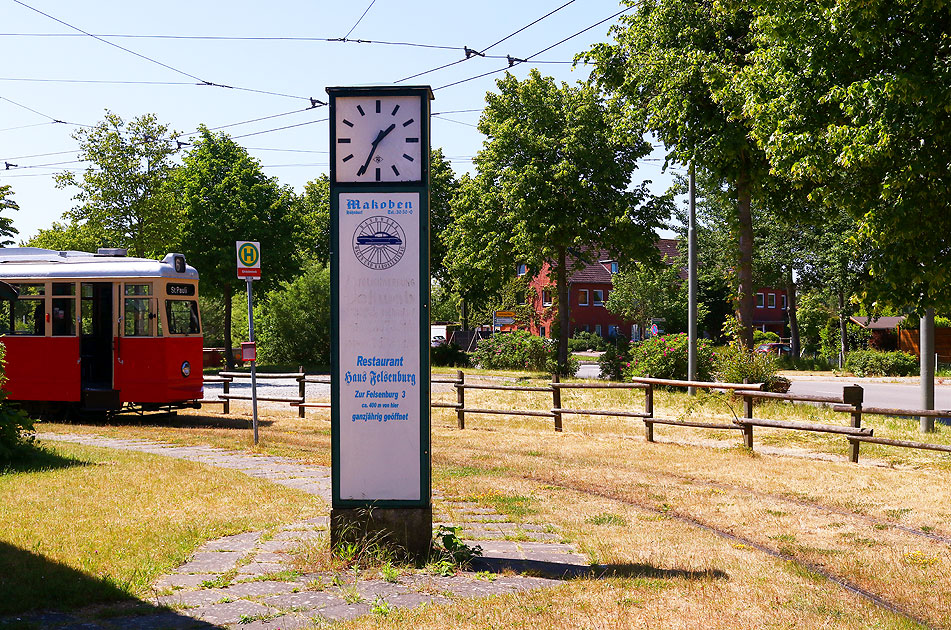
x=249 y=255
x=379 y=242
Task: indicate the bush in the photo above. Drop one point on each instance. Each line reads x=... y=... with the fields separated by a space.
x=665 y=356
x=614 y=359
x=16 y=428
x=738 y=365
x=294 y=321
x=448 y=355
x=764 y=337
x=874 y=363
x=519 y=350
x=585 y=341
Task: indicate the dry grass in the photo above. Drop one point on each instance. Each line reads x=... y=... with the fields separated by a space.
x=88 y=525
x=651 y=512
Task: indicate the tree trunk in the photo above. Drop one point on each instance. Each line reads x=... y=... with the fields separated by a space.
x=464 y=307
x=792 y=314
x=564 y=315
x=229 y=343
x=843 y=330
x=744 y=268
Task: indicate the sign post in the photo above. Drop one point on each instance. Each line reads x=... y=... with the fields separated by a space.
x=380 y=424
x=249 y=269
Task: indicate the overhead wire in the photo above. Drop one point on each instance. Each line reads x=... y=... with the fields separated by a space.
x=242 y=39
x=257 y=133
x=155 y=61
x=39 y=113
x=372 y=2
x=470 y=54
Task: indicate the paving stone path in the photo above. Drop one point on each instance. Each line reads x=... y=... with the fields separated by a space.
x=248 y=581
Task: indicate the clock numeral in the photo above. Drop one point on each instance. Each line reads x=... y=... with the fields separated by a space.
x=377 y=174
x=346 y=140
x=408 y=122
x=347 y=122
x=395 y=109
x=410 y=140
x=395 y=170
x=360 y=109
x=408 y=157
x=348 y=158
x=378 y=106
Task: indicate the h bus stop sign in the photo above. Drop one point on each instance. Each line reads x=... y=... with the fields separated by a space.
x=249 y=260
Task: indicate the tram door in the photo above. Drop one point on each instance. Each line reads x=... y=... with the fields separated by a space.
x=96 y=355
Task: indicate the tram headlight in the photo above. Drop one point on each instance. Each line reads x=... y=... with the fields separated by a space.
x=186 y=369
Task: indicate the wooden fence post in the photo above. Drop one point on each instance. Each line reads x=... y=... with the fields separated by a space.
x=748 y=428
x=854 y=395
x=649 y=410
x=302 y=392
x=460 y=399
x=226 y=389
x=556 y=400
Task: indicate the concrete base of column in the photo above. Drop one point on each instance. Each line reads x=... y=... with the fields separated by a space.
x=406 y=531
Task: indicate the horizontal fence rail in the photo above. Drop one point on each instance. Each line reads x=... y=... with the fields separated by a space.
x=850 y=402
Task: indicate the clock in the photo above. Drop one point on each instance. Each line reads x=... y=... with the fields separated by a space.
x=378 y=138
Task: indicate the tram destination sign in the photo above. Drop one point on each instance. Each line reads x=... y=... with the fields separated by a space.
x=249 y=260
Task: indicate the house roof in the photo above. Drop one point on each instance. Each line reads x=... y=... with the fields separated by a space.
x=600 y=270
x=882 y=323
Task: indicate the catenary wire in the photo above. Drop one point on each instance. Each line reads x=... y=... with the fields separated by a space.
x=241 y=39
x=372 y=2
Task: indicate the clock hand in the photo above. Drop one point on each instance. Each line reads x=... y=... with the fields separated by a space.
x=383 y=133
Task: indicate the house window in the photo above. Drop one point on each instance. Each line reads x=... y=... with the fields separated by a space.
x=614 y=267
x=612 y=332
x=583 y=297
x=541 y=331
x=546 y=297
x=759 y=300
x=784 y=302
x=522 y=269
x=772 y=300
x=521 y=299
x=597 y=329
x=598 y=297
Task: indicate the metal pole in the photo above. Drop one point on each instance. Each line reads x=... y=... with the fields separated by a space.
x=254 y=376
x=692 y=286
x=926 y=347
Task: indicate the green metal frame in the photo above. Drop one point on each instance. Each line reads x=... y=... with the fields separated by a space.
x=422 y=188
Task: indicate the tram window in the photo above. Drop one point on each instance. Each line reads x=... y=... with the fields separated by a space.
x=25 y=317
x=64 y=288
x=182 y=317
x=64 y=310
x=137 y=314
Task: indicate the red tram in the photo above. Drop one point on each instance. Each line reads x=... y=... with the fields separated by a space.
x=100 y=332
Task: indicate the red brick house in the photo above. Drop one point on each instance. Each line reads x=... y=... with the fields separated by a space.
x=589 y=288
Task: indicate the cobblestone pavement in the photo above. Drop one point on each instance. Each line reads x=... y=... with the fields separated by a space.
x=247 y=580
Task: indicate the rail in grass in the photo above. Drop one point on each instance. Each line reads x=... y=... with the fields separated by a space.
x=849 y=402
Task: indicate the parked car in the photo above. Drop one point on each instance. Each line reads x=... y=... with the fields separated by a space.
x=779 y=349
x=438 y=340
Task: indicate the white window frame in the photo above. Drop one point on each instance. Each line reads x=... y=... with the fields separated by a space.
x=784 y=302
x=597 y=329
x=760 y=300
x=585 y=301
x=547 y=302
x=614 y=267
x=594 y=297
x=771 y=300
x=522 y=269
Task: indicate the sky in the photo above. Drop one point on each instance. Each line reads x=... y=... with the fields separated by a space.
x=224 y=64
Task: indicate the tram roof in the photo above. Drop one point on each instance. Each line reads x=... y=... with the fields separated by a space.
x=35 y=262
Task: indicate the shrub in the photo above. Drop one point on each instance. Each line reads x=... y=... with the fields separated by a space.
x=585 y=341
x=874 y=363
x=764 y=337
x=519 y=350
x=294 y=321
x=737 y=365
x=16 y=428
x=665 y=356
x=614 y=359
x=448 y=355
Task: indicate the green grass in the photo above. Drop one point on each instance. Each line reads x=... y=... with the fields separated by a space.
x=82 y=525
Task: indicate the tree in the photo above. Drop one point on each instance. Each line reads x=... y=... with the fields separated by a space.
x=81 y=237
x=850 y=98
x=295 y=320
x=673 y=67
x=444 y=186
x=314 y=210
x=227 y=198
x=645 y=292
x=124 y=195
x=7 y=231
x=553 y=184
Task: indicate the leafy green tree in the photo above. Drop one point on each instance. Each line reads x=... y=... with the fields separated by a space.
x=227 y=198
x=850 y=99
x=553 y=182
x=7 y=231
x=314 y=209
x=646 y=291
x=444 y=186
x=81 y=237
x=124 y=194
x=673 y=67
x=294 y=320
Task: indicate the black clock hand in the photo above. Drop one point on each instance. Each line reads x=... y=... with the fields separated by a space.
x=383 y=133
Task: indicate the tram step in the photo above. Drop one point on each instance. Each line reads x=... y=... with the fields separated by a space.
x=97 y=399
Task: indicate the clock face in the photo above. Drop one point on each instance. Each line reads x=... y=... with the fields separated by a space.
x=378 y=138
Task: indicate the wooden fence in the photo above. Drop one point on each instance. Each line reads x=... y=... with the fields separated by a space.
x=850 y=402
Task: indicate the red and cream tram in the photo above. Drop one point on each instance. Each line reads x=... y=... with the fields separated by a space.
x=100 y=332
